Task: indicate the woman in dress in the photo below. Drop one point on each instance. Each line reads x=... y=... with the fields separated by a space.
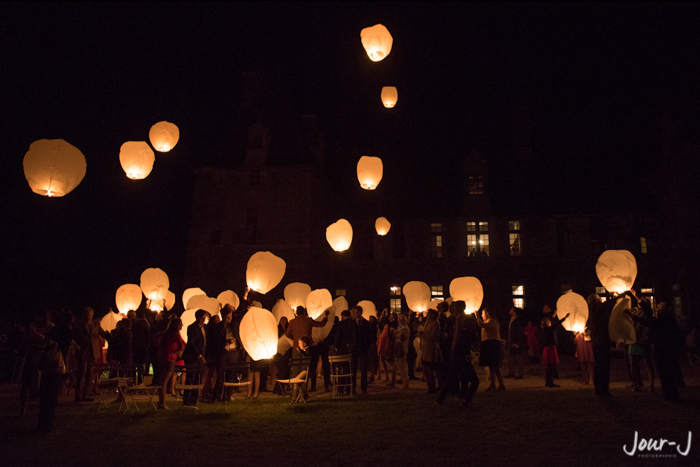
x=385 y=343
x=490 y=354
x=169 y=350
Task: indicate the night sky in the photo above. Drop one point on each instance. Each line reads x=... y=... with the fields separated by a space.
x=588 y=84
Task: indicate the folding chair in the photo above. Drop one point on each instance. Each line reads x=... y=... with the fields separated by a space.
x=235 y=369
x=129 y=389
x=193 y=373
x=340 y=372
x=298 y=384
x=110 y=382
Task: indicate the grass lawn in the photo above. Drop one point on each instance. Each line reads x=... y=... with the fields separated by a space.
x=526 y=425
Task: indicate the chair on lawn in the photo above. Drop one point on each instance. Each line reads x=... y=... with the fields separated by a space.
x=129 y=376
x=108 y=380
x=298 y=384
x=234 y=370
x=341 y=376
x=193 y=382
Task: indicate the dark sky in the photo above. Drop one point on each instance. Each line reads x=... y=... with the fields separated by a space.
x=588 y=82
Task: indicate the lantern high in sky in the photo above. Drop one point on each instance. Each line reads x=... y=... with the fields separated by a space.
x=382 y=226
x=469 y=290
x=370 y=170
x=258 y=332
x=128 y=297
x=264 y=271
x=417 y=295
x=164 y=136
x=576 y=306
x=616 y=270
x=390 y=96
x=317 y=302
x=377 y=42
x=53 y=167
x=155 y=284
x=339 y=235
x=295 y=294
x=136 y=158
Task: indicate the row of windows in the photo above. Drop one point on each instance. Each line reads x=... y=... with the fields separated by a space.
x=477 y=239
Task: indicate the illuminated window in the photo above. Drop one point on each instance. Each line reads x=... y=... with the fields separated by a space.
x=647 y=291
x=395 y=305
x=477 y=239
x=643 y=244
x=395 y=291
x=518 y=292
x=436 y=291
x=476 y=185
x=340 y=292
x=514 y=238
x=602 y=293
x=436 y=240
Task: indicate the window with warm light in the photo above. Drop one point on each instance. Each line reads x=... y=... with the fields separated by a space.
x=395 y=305
x=340 y=292
x=477 y=239
x=476 y=185
x=436 y=291
x=395 y=291
x=518 y=291
x=514 y=238
x=643 y=245
x=436 y=240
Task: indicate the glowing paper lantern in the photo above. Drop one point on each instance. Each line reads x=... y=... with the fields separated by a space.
x=389 y=96
x=53 y=167
x=340 y=304
x=264 y=271
x=137 y=159
x=187 y=318
x=109 y=321
x=170 y=300
x=377 y=42
x=368 y=309
x=469 y=290
x=295 y=294
x=128 y=297
x=434 y=304
x=369 y=172
x=189 y=293
x=577 y=308
x=417 y=295
x=281 y=309
x=259 y=334
x=155 y=284
x=616 y=270
x=283 y=344
x=229 y=297
x=621 y=326
x=382 y=225
x=339 y=235
x=318 y=334
x=164 y=136
x=317 y=302
x=202 y=302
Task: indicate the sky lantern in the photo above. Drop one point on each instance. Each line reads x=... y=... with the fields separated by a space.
x=369 y=172
x=53 y=167
x=109 y=321
x=155 y=285
x=339 y=235
x=259 y=334
x=189 y=293
x=469 y=290
x=340 y=304
x=202 y=302
x=170 y=300
x=377 y=42
x=616 y=270
x=128 y=297
x=368 y=309
x=188 y=318
x=164 y=136
x=317 y=302
x=295 y=294
x=417 y=295
x=621 y=326
x=434 y=304
x=281 y=309
x=318 y=334
x=284 y=343
x=382 y=226
x=137 y=159
x=229 y=297
x=264 y=271
x=389 y=96
x=577 y=308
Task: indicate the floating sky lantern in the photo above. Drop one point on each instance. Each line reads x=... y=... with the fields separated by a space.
x=202 y=302
x=281 y=309
x=390 y=96
x=53 y=167
x=377 y=42
x=621 y=326
x=187 y=318
x=155 y=285
x=170 y=300
x=616 y=270
x=189 y=293
x=164 y=136
x=318 y=334
x=284 y=343
x=382 y=225
x=434 y=304
x=417 y=295
x=229 y=297
x=264 y=271
x=259 y=334
x=317 y=302
x=339 y=235
x=469 y=290
x=576 y=306
x=128 y=297
x=340 y=304
x=295 y=294
x=369 y=172
x=137 y=159
x=109 y=321
x=368 y=309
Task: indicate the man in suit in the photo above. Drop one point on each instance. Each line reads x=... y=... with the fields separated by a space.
x=194 y=352
x=360 y=351
x=87 y=334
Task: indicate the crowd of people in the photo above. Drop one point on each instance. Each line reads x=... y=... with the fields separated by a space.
x=62 y=352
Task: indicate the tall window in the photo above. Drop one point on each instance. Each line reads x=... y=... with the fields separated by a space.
x=436 y=240
x=395 y=301
x=477 y=239
x=643 y=244
x=436 y=291
x=476 y=185
x=519 y=296
x=514 y=234
x=340 y=292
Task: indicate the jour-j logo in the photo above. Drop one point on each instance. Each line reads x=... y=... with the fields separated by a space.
x=650 y=447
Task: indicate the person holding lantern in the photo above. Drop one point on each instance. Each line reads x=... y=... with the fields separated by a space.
x=598 y=319
x=301 y=325
x=87 y=336
x=194 y=352
x=170 y=348
x=550 y=358
x=490 y=354
x=385 y=342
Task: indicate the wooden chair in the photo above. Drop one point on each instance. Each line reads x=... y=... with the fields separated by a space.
x=193 y=373
x=341 y=374
x=298 y=384
x=234 y=369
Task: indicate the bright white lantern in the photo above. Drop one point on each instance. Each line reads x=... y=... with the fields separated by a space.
x=317 y=302
x=339 y=235
x=318 y=334
x=264 y=271
x=382 y=225
x=469 y=290
x=369 y=172
x=621 y=326
x=109 y=321
x=53 y=167
x=417 y=295
x=577 y=308
x=189 y=293
x=377 y=42
x=259 y=334
x=281 y=309
x=155 y=284
x=188 y=318
x=164 y=136
x=295 y=294
x=389 y=96
x=340 y=304
x=616 y=270
x=137 y=159
x=229 y=297
x=170 y=300
x=128 y=297
x=202 y=302
x=368 y=309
